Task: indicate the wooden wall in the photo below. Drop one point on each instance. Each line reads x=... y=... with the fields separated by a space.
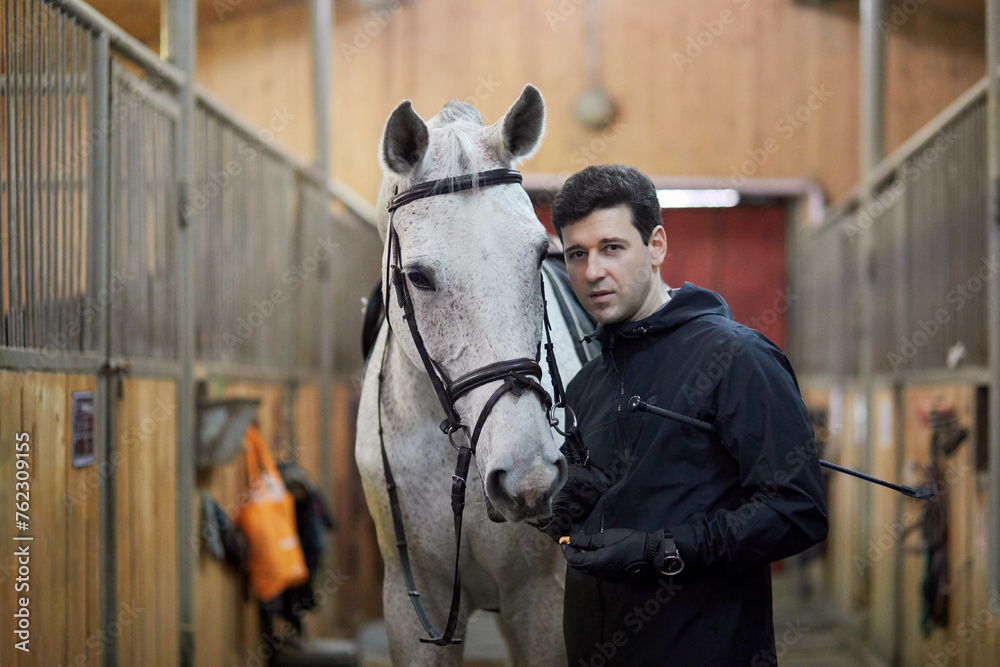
x=227 y=628
x=63 y=583
x=65 y=569
x=64 y=591
x=876 y=551
x=227 y=624
x=702 y=117
x=146 y=526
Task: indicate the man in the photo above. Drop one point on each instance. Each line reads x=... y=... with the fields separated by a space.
x=671 y=564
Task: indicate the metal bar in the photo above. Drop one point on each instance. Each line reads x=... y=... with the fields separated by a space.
x=179 y=17
x=7 y=336
x=98 y=180
x=321 y=22
x=7 y=186
x=357 y=204
x=929 y=132
x=872 y=149
x=593 y=42
x=87 y=363
x=59 y=147
x=993 y=224
x=80 y=286
x=31 y=180
x=22 y=54
x=122 y=42
x=51 y=247
x=872 y=84
x=18 y=224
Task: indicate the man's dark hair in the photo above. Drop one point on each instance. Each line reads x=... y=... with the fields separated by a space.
x=608 y=186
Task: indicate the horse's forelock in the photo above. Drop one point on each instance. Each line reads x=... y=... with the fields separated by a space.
x=457 y=110
x=456 y=148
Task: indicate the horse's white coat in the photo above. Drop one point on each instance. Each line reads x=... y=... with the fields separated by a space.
x=481 y=250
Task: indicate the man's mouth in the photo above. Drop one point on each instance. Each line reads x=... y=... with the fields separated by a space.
x=600 y=296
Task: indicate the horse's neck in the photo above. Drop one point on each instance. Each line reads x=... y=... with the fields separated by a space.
x=406 y=390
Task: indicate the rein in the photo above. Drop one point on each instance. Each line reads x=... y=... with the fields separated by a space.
x=516 y=375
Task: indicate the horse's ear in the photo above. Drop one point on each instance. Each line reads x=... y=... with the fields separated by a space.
x=404 y=140
x=523 y=125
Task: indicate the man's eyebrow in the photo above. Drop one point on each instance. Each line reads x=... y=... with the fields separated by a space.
x=617 y=240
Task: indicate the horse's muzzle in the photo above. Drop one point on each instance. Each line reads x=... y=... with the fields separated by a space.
x=532 y=503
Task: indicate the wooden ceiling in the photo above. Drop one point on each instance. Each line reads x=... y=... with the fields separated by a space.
x=973 y=10
x=141 y=18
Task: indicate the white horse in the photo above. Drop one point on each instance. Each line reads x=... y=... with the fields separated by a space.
x=471 y=260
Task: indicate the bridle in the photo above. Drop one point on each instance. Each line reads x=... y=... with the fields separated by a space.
x=515 y=376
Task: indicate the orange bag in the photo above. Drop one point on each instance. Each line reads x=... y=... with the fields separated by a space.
x=275 y=561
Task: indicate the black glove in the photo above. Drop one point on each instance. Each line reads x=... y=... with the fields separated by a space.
x=616 y=555
x=583 y=488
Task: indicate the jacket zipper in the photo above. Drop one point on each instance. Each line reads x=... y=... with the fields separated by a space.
x=621 y=425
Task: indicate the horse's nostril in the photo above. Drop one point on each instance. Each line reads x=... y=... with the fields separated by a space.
x=496 y=490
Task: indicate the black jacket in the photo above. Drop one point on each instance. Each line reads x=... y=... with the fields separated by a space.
x=735 y=500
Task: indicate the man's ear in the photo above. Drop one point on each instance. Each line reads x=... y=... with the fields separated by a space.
x=658 y=246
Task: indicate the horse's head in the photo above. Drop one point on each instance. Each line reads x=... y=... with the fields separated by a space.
x=471 y=262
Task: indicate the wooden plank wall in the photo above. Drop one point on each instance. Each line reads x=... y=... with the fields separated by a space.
x=321 y=622
x=359 y=562
x=973 y=635
x=846 y=504
x=64 y=583
x=146 y=489
x=227 y=627
x=874 y=571
x=877 y=559
x=698 y=118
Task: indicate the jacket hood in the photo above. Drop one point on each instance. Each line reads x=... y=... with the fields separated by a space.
x=686 y=303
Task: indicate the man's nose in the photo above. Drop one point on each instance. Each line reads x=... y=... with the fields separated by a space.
x=595 y=269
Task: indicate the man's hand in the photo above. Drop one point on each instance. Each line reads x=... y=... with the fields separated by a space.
x=583 y=488
x=616 y=555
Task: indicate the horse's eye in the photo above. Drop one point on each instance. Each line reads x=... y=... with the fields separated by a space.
x=420 y=280
x=543 y=255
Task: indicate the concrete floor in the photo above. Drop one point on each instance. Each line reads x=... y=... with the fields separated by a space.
x=807 y=634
